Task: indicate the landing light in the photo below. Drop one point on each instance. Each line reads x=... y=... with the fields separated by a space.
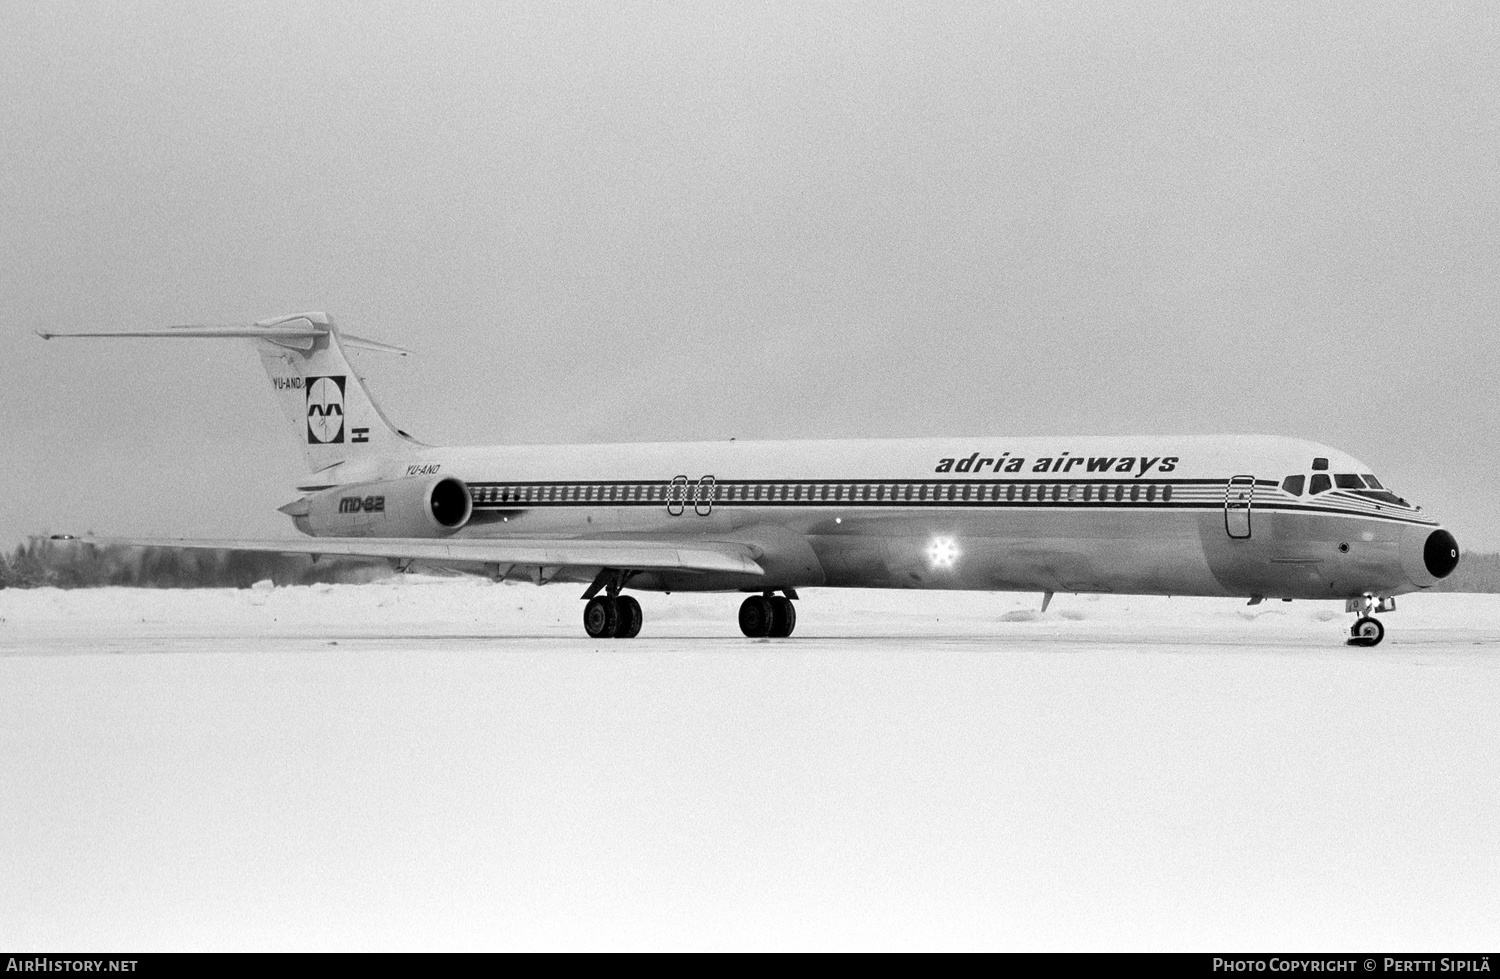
x=942 y=552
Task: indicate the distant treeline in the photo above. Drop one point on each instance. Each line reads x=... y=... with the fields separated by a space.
x=1477 y=571
x=43 y=563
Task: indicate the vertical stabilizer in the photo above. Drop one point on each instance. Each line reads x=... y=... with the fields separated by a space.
x=331 y=413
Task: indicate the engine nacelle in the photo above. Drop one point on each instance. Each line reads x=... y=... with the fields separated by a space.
x=423 y=506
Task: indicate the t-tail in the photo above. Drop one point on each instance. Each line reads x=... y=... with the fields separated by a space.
x=332 y=416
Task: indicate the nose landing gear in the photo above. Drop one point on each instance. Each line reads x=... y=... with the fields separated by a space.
x=1367 y=630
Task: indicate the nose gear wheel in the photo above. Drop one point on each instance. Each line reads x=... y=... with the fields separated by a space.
x=1367 y=631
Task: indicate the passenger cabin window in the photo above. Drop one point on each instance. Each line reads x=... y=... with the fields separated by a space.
x=1348 y=481
x=1293 y=484
x=1320 y=484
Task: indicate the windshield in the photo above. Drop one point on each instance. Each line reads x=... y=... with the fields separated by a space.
x=1361 y=484
x=1376 y=491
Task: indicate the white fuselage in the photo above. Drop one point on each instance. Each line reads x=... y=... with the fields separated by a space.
x=1192 y=515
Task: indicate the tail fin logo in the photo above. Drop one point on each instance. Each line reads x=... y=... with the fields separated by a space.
x=325 y=410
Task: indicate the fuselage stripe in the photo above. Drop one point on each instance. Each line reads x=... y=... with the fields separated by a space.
x=1098 y=494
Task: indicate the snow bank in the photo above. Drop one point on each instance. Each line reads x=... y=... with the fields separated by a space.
x=419 y=605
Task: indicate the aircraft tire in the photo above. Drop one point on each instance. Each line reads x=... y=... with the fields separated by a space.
x=756 y=616
x=630 y=617
x=601 y=618
x=1367 y=631
x=783 y=617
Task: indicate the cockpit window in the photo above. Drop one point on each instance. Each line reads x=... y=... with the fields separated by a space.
x=1348 y=481
x=1293 y=484
x=1372 y=482
x=1384 y=496
x=1320 y=484
x=1320 y=463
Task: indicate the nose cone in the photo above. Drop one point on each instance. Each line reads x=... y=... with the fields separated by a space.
x=1440 y=553
x=1428 y=556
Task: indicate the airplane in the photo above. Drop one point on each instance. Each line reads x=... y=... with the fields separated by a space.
x=1248 y=516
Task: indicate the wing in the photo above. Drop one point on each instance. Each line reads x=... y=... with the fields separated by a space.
x=633 y=555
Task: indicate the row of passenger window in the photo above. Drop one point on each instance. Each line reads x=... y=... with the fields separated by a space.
x=937 y=493
x=706 y=491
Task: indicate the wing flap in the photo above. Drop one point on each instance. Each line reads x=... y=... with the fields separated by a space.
x=702 y=556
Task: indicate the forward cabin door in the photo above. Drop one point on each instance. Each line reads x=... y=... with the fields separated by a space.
x=1239 y=497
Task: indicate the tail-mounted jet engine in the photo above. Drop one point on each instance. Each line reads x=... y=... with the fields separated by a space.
x=430 y=506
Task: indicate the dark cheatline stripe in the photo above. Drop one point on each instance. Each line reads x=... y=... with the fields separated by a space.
x=1188 y=494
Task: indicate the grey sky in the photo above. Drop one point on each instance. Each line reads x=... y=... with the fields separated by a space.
x=607 y=222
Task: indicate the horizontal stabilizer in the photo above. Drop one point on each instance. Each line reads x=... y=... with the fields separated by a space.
x=386 y=348
x=634 y=555
x=296 y=337
x=298 y=333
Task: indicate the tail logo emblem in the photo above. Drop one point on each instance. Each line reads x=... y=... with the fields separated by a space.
x=325 y=410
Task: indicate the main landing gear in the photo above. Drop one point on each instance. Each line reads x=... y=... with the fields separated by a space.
x=1367 y=630
x=768 y=615
x=617 y=617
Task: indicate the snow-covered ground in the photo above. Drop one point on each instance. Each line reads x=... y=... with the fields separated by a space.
x=449 y=763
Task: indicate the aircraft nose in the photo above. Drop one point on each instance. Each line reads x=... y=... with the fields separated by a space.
x=1428 y=556
x=1440 y=553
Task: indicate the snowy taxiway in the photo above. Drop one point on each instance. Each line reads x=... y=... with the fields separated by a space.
x=436 y=763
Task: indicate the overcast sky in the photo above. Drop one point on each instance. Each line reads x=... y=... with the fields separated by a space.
x=641 y=222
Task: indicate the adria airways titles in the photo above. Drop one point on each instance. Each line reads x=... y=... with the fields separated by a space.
x=1230 y=515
